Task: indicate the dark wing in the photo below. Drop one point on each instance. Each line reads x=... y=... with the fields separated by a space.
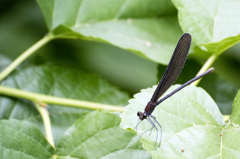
x=174 y=67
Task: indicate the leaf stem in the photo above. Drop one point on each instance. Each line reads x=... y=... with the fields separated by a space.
x=25 y=55
x=206 y=66
x=46 y=120
x=35 y=97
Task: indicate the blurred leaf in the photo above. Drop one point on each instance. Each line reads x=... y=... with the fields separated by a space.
x=21 y=26
x=98 y=135
x=121 y=67
x=222 y=91
x=133 y=25
x=223 y=84
x=20 y=139
x=5 y=61
x=190 y=120
x=129 y=72
x=235 y=116
x=57 y=81
x=227 y=67
x=213 y=24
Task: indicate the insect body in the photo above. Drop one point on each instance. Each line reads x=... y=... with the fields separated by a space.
x=171 y=74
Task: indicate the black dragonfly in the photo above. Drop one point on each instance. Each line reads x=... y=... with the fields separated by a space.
x=171 y=74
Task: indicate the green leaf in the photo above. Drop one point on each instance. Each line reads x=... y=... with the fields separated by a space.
x=230 y=139
x=98 y=135
x=57 y=81
x=213 y=24
x=190 y=120
x=133 y=25
x=82 y=12
x=128 y=71
x=20 y=139
x=235 y=116
x=4 y=62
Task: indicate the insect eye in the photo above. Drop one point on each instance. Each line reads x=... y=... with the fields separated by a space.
x=138 y=113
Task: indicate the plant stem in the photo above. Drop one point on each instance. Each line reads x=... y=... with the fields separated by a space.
x=206 y=66
x=46 y=120
x=24 y=56
x=35 y=97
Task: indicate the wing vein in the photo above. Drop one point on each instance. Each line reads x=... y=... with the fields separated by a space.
x=174 y=67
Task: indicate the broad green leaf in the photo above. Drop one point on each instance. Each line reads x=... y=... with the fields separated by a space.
x=75 y=12
x=190 y=120
x=231 y=135
x=139 y=26
x=22 y=140
x=98 y=135
x=213 y=24
x=57 y=81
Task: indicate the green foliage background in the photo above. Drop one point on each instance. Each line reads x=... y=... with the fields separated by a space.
x=104 y=52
